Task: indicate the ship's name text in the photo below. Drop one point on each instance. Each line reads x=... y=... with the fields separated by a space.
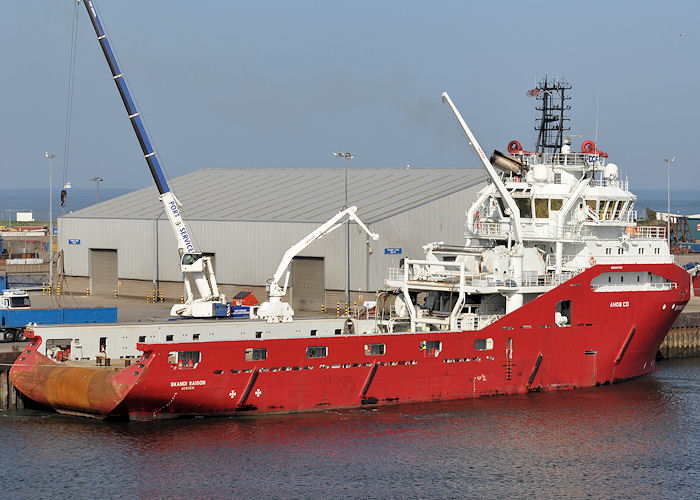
x=190 y=383
x=624 y=303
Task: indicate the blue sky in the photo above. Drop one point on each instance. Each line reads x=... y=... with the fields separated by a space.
x=283 y=84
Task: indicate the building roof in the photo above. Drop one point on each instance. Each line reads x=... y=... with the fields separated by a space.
x=292 y=195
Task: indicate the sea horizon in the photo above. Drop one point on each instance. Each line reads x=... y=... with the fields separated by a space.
x=35 y=200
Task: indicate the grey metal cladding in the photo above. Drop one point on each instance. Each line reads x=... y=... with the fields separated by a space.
x=292 y=195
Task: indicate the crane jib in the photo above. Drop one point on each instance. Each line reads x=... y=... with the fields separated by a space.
x=136 y=122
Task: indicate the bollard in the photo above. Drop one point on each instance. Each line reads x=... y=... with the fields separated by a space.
x=49 y=289
x=43 y=287
x=154 y=296
x=161 y=296
x=346 y=308
x=148 y=296
x=116 y=294
x=355 y=308
x=322 y=311
x=87 y=292
x=337 y=310
x=182 y=299
x=58 y=289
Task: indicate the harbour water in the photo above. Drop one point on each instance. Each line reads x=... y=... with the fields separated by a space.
x=638 y=439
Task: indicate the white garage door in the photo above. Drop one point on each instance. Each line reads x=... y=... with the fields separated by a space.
x=308 y=283
x=103 y=272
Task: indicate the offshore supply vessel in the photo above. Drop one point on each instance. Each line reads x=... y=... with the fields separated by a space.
x=555 y=287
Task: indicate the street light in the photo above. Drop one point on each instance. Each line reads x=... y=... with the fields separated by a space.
x=348 y=157
x=50 y=157
x=97 y=184
x=668 y=208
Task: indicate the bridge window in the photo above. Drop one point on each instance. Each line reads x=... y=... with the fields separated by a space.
x=541 y=208
x=525 y=207
x=317 y=352
x=252 y=354
x=556 y=204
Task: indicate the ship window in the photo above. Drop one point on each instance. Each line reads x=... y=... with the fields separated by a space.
x=313 y=333
x=556 y=204
x=601 y=210
x=195 y=336
x=184 y=360
x=483 y=344
x=641 y=251
x=541 y=208
x=375 y=349
x=258 y=335
x=252 y=354
x=562 y=313
x=618 y=209
x=142 y=338
x=168 y=338
x=524 y=207
x=317 y=352
x=431 y=346
x=337 y=331
x=591 y=204
x=608 y=251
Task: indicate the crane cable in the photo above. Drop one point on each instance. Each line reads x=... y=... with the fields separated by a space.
x=69 y=103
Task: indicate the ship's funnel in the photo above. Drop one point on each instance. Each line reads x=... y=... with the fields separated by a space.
x=507 y=163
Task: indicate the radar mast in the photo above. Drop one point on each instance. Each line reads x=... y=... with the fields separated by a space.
x=551 y=125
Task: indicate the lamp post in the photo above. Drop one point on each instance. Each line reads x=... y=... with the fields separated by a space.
x=97 y=184
x=50 y=157
x=348 y=157
x=668 y=199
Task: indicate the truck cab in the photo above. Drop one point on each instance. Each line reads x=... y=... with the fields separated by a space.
x=14 y=299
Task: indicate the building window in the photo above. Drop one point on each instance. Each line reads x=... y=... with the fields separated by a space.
x=317 y=352
x=252 y=354
x=374 y=349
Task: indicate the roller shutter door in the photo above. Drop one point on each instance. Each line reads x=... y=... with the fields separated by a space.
x=103 y=272
x=308 y=283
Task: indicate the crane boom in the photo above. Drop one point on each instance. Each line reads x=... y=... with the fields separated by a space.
x=515 y=213
x=274 y=310
x=192 y=263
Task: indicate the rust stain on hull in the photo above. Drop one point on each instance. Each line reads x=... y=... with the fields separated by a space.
x=72 y=389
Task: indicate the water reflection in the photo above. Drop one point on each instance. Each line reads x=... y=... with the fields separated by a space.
x=634 y=439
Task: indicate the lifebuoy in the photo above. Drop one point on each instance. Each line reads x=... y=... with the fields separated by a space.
x=514 y=147
x=591 y=261
x=588 y=147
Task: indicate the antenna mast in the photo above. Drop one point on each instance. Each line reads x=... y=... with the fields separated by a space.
x=551 y=125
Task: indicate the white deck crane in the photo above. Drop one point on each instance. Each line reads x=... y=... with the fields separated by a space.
x=274 y=310
x=193 y=264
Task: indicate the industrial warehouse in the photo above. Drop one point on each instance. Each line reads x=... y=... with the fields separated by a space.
x=246 y=219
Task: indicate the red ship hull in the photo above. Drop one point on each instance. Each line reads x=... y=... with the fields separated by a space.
x=612 y=336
